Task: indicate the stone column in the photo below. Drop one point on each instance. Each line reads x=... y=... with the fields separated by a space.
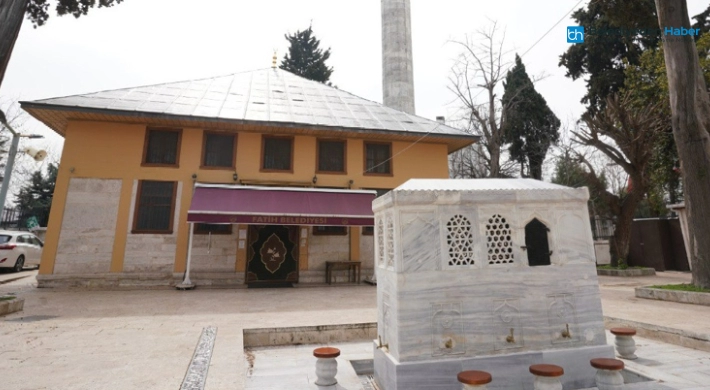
x=397 y=62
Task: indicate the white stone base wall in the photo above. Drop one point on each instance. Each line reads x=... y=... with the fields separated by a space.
x=88 y=227
x=326 y=248
x=367 y=252
x=151 y=252
x=215 y=253
x=601 y=252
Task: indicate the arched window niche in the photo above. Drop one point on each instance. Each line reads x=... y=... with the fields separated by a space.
x=536 y=243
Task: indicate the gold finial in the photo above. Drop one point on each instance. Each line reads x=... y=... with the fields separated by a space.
x=274 y=60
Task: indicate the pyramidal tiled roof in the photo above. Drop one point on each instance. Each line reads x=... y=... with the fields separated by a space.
x=265 y=95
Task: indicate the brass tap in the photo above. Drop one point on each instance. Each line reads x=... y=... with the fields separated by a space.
x=379 y=343
x=565 y=333
x=510 y=338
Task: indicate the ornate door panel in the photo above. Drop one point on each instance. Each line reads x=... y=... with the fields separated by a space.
x=272 y=255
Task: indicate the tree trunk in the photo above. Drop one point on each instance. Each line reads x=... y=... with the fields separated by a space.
x=535 y=169
x=619 y=244
x=12 y=12
x=691 y=121
x=495 y=161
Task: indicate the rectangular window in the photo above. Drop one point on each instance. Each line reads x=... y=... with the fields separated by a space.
x=377 y=158
x=155 y=206
x=331 y=156
x=277 y=154
x=330 y=230
x=206 y=228
x=218 y=150
x=370 y=230
x=162 y=147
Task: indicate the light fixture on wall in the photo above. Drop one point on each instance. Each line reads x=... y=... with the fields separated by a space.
x=194 y=177
x=235 y=177
x=350 y=184
x=315 y=179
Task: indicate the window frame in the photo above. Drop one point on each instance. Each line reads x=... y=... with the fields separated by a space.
x=198 y=231
x=205 y=134
x=146 y=142
x=367 y=172
x=345 y=156
x=317 y=233
x=264 y=137
x=137 y=204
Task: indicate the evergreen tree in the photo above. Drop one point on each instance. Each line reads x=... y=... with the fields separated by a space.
x=35 y=198
x=598 y=58
x=530 y=126
x=305 y=58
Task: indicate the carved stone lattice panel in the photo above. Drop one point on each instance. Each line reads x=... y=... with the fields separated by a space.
x=562 y=315
x=508 y=329
x=459 y=238
x=499 y=236
x=447 y=337
x=389 y=241
x=380 y=243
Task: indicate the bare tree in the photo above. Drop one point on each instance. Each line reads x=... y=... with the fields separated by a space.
x=11 y=15
x=480 y=69
x=626 y=135
x=690 y=106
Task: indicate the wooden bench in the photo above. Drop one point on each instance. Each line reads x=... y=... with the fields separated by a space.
x=353 y=268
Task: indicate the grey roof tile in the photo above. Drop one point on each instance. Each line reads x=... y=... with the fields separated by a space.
x=263 y=95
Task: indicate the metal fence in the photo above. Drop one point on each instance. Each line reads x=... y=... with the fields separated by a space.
x=602 y=228
x=11 y=219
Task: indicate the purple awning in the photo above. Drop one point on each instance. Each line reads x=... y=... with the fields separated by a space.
x=280 y=206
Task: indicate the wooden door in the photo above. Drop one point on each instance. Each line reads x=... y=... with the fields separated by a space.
x=272 y=254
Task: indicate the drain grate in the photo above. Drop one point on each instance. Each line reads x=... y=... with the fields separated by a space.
x=32 y=319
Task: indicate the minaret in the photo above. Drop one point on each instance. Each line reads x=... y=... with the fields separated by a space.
x=397 y=64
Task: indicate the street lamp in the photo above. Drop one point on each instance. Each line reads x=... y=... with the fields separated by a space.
x=11 y=158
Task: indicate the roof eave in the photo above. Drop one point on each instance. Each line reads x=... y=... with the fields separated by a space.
x=31 y=106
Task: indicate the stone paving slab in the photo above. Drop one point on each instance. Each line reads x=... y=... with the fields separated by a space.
x=79 y=339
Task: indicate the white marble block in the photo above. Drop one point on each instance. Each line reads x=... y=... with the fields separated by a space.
x=484 y=268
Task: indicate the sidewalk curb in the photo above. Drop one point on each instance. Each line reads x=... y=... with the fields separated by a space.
x=689 y=297
x=683 y=338
x=11 y=306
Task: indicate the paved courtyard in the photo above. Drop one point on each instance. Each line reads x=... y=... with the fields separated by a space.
x=78 y=339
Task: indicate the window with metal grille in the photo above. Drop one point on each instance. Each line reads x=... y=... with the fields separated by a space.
x=162 y=147
x=155 y=205
x=500 y=241
x=331 y=156
x=213 y=228
x=218 y=150
x=377 y=158
x=277 y=153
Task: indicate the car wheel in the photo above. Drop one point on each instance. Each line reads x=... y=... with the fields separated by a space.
x=19 y=264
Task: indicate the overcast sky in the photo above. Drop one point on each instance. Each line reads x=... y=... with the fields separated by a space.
x=144 y=42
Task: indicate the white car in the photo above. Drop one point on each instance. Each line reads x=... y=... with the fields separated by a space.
x=19 y=249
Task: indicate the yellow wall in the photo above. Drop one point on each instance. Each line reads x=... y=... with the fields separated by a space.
x=114 y=151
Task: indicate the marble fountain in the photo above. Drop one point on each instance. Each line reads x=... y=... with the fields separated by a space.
x=486 y=274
